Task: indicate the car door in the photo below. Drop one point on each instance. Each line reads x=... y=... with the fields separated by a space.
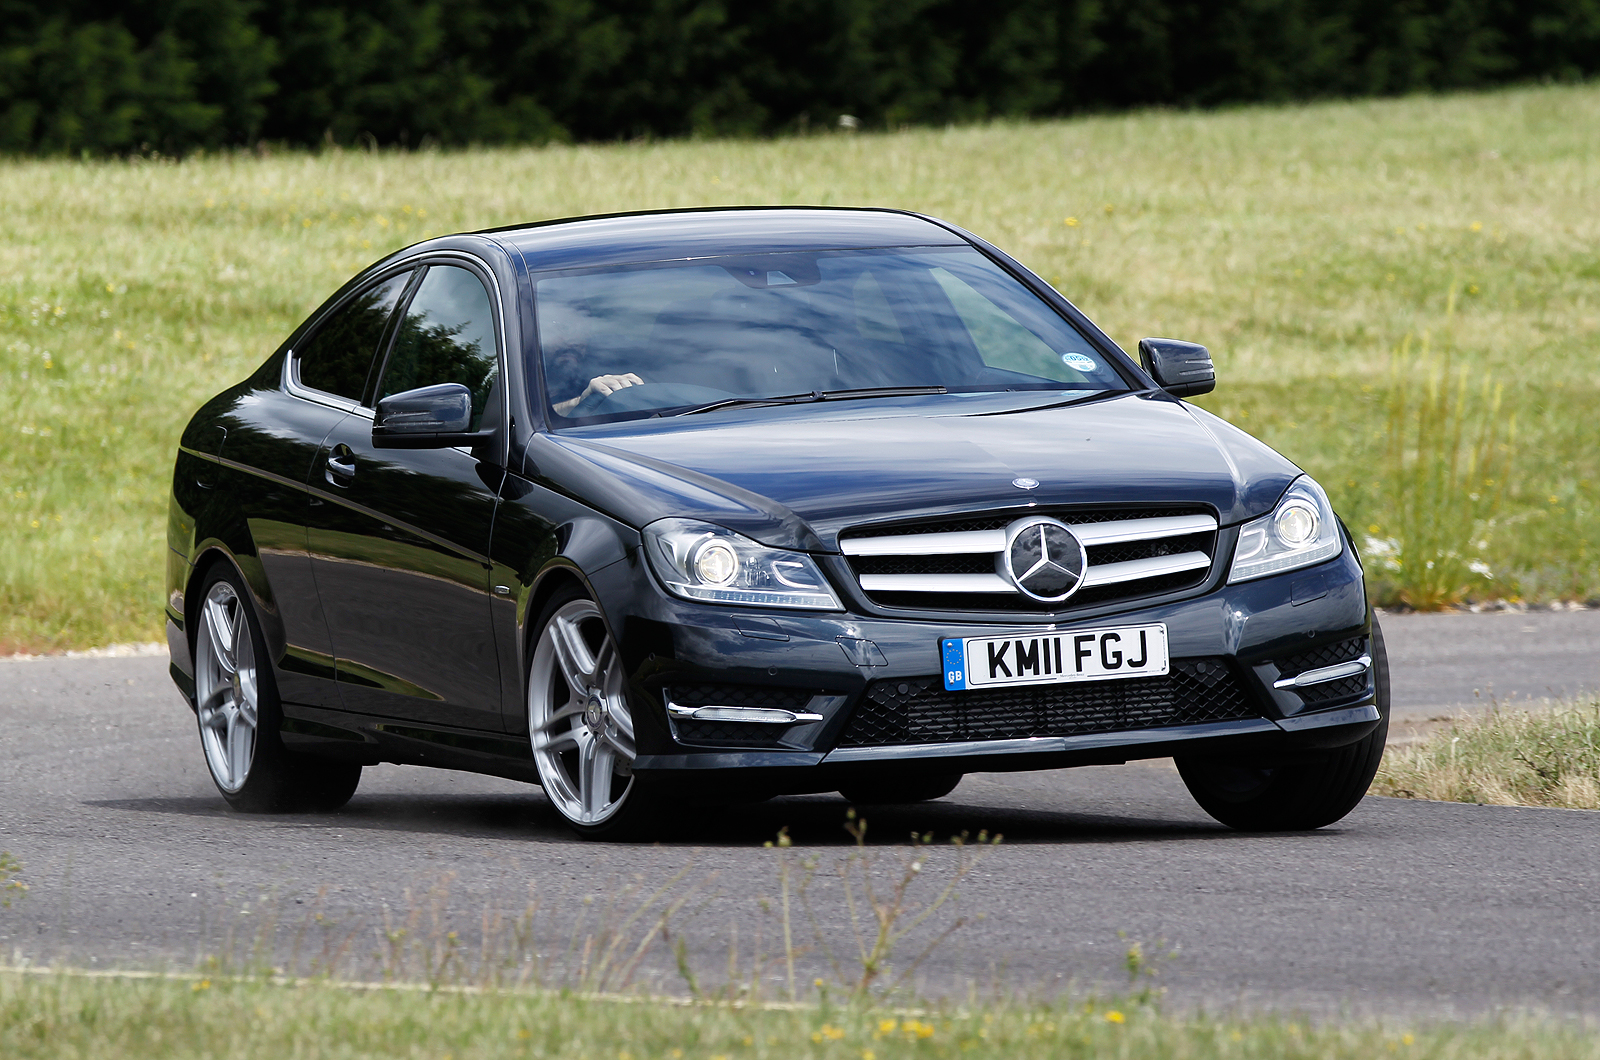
x=277 y=437
x=399 y=544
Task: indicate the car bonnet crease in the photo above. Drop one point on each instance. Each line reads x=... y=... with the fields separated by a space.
x=766 y=472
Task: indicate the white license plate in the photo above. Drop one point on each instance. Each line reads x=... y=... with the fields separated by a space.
x=1053 y=658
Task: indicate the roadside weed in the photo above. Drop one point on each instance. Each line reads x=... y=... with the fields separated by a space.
x=1539 y=756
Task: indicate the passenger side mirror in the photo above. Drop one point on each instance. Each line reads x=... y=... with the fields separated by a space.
x=1182 y=369
x=429 y=417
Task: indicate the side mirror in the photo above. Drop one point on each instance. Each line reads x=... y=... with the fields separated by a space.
x=1182 y=369
x=429 y=417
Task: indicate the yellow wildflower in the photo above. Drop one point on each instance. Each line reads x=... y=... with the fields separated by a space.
x=1115 y=1017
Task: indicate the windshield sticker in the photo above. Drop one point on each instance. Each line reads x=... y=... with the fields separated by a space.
x=1079 y=361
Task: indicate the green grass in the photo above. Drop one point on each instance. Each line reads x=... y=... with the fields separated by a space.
x=1303 y=244
x=1548 y=756
x=50 y=1016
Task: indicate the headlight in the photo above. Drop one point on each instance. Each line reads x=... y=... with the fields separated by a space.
x=1300 y=532
x=699 y=561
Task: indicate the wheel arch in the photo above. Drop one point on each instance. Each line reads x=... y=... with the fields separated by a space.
x=247 y=565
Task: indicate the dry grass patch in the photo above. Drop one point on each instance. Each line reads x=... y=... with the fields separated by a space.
x=1543 y=756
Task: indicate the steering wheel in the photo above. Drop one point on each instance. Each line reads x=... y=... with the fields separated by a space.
x=644 y=396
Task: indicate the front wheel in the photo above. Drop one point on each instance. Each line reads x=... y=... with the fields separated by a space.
x=1310 y=792
x=580 y=725
x=236 y=706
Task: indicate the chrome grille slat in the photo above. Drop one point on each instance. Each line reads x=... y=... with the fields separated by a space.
x=963 y=542
x=936 y=583
x=1092 y=534
x=956 y=543
x=1129 y=547
x=1134 y=569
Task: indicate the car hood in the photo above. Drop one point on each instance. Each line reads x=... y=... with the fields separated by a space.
x=794 y=477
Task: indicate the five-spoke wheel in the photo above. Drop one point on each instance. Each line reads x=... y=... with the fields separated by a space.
x=226 y=689
x=236 y=704
x=578 y=720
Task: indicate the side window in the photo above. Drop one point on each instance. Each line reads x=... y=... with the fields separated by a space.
x=338 y=356
x=446 y=336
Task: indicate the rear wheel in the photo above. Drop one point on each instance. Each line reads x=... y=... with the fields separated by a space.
x=1310 y=792
x=238 y=714
x=890 y=791
x=580 y=724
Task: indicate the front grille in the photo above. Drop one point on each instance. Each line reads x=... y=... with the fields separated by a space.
x=1132 y=553
x=918 y=710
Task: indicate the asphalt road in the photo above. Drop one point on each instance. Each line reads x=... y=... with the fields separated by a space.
x=1404 y=908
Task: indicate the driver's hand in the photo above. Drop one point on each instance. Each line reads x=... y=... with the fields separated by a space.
x=600 y=384
x=609 y=384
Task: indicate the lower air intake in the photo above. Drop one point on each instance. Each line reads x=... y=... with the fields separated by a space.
x=918 y=710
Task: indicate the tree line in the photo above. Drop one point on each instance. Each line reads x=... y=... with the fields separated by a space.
x=119 y=76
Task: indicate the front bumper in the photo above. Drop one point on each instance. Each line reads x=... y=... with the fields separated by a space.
x=832 y=668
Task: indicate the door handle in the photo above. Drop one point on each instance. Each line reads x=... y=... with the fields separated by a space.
x=341 y=469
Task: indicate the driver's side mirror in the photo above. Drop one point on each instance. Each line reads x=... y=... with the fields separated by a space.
x=1182 y=369
x=429 y=417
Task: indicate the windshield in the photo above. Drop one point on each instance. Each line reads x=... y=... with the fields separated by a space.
x=673 y=338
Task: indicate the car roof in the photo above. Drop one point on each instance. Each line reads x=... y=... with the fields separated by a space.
x=677 y=234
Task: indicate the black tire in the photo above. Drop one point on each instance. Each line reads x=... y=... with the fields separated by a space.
x=258 y=775
x=613 y=803
x=893 y=791
x=1309 y=792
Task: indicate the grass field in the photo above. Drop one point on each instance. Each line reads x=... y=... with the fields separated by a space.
x=1402 y=295
x=51 y=1016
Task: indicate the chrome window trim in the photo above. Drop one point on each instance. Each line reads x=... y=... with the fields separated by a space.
x=291 y=363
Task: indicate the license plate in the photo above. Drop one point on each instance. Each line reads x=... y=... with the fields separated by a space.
x=1054 y=658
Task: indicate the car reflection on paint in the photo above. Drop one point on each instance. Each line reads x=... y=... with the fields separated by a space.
x=732 y=503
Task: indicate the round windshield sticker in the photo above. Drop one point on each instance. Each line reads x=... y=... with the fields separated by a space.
x=1078 y=361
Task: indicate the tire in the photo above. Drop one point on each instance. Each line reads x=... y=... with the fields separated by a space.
x=894 y=791
x=580 y=725
x=1309 y=792
x=238 y=713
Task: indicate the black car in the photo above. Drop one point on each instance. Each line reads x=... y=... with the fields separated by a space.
x=735 y=503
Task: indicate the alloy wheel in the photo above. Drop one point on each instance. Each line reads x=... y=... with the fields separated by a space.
x=227 y=688
x=578 y=718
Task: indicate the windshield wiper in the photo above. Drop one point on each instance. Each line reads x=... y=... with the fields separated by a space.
x=744 y=403
x=817 y=395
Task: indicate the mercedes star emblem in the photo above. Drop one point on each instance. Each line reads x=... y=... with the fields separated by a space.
x=1044 y=559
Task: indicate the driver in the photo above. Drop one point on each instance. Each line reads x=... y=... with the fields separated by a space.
x=566 y=357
